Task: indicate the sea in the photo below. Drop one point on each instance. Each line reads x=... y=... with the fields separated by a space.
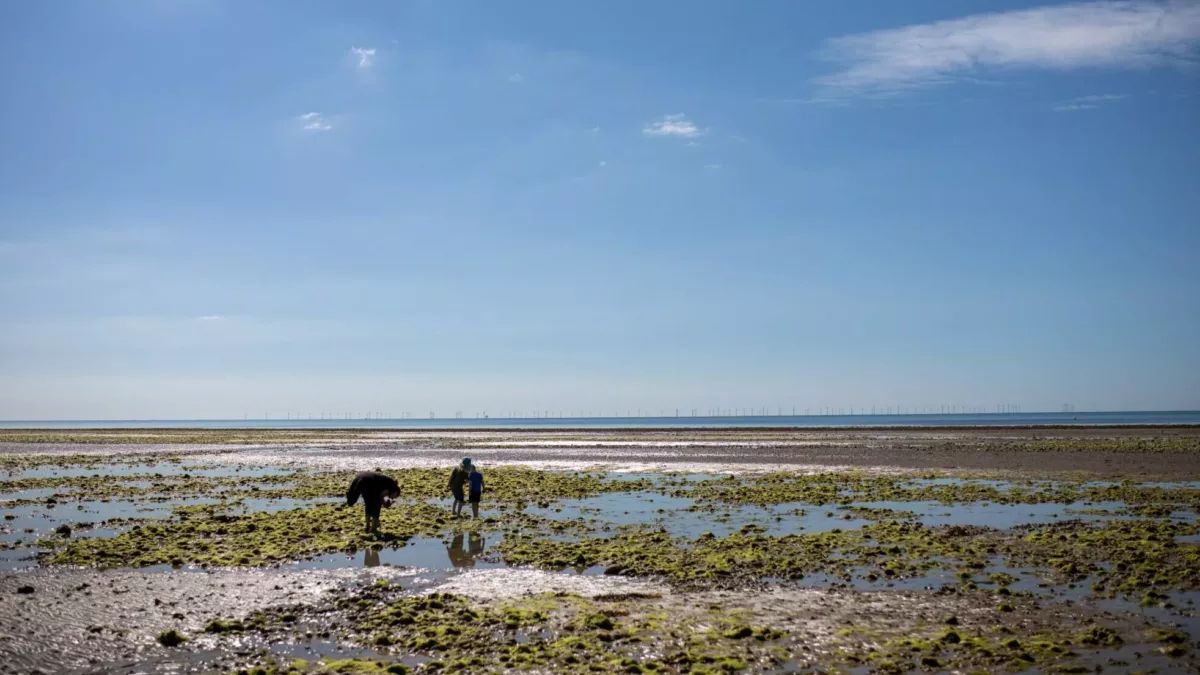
x=1126 y=418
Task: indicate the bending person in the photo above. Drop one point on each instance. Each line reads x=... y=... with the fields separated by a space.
x=377 y=490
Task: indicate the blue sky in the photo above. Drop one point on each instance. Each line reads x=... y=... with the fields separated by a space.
x=210 y=209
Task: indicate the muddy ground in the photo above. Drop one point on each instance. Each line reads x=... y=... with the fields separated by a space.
x=882 y=550
x=1113 y=451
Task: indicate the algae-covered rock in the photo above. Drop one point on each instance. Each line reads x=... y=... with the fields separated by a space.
x=1101 y=635
x=219 y=626
x=171 y=638
x=738 y=632
x=599 y=621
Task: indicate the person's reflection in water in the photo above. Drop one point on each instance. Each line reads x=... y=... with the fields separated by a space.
x=464 y=556
x=372 y=558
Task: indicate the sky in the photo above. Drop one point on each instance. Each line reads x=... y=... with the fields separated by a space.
x=218 y=209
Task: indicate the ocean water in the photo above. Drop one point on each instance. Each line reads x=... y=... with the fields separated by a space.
x=1184 y=417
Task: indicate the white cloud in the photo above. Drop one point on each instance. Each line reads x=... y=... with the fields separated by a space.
x=1086 y=102
x=603 y=163
x=315 y=121
x=210 y=317
x=365 y=56
x=516 y=78
x=1114 y=34
x=712 y=167
x=673 y=125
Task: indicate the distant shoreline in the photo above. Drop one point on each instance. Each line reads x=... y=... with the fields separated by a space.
x=624 y=429
x=1156 y=419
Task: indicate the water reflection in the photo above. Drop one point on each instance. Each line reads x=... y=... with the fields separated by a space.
x=372 y=558
x=464 y=556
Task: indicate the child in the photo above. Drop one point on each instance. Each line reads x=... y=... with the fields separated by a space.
x=376 y=490
x=476 y=492
x=458 y=478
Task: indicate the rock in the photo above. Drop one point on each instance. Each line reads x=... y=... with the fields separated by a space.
x=171 y=638
x=63 y=530
x=25 y=590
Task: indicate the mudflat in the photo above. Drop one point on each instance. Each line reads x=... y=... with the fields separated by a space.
x=1170 y=451
x=620 y=550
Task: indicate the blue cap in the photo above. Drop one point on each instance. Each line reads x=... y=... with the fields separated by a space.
x=466 y=461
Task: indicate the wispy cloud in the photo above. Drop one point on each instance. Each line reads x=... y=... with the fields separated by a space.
x=1086 y=102
x=673 y=125
x=365 y=56
x=712 y=167
x=1114 y=34
x=315 y=121
x=210 y=317
x=516 y=78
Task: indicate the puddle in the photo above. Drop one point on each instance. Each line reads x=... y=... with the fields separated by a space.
x=681 y=517
x=275 y=504
x=37 y=493
x=44 y=521
x=17 y=558
x=329 y=649
x=461 y=551
x=661 y=478
x=1183 y=614
x=1194 y=485
x=999 y=516
x=1000 y=485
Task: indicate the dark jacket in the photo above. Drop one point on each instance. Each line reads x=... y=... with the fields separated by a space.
x=457 y=478
x=371 y=487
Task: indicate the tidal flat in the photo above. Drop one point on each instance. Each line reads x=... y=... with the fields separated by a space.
x=675 y=551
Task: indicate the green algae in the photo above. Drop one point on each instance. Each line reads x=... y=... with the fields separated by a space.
x=571 y=634
x=847 y=488
x=1120 y=556
x=1168 y=636
x=171 y=638
x=212 y=538
x=549 y=633
x=962 y=649
x=219 y=626
x=508 y=486
x=1101 y=635
x=1132 y=556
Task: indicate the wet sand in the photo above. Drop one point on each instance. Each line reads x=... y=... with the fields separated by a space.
x=55 y=618
x=1167 y=452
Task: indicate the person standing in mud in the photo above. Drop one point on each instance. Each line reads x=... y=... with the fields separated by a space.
x=475 y=493
x=458 y=480
x=377 y=490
